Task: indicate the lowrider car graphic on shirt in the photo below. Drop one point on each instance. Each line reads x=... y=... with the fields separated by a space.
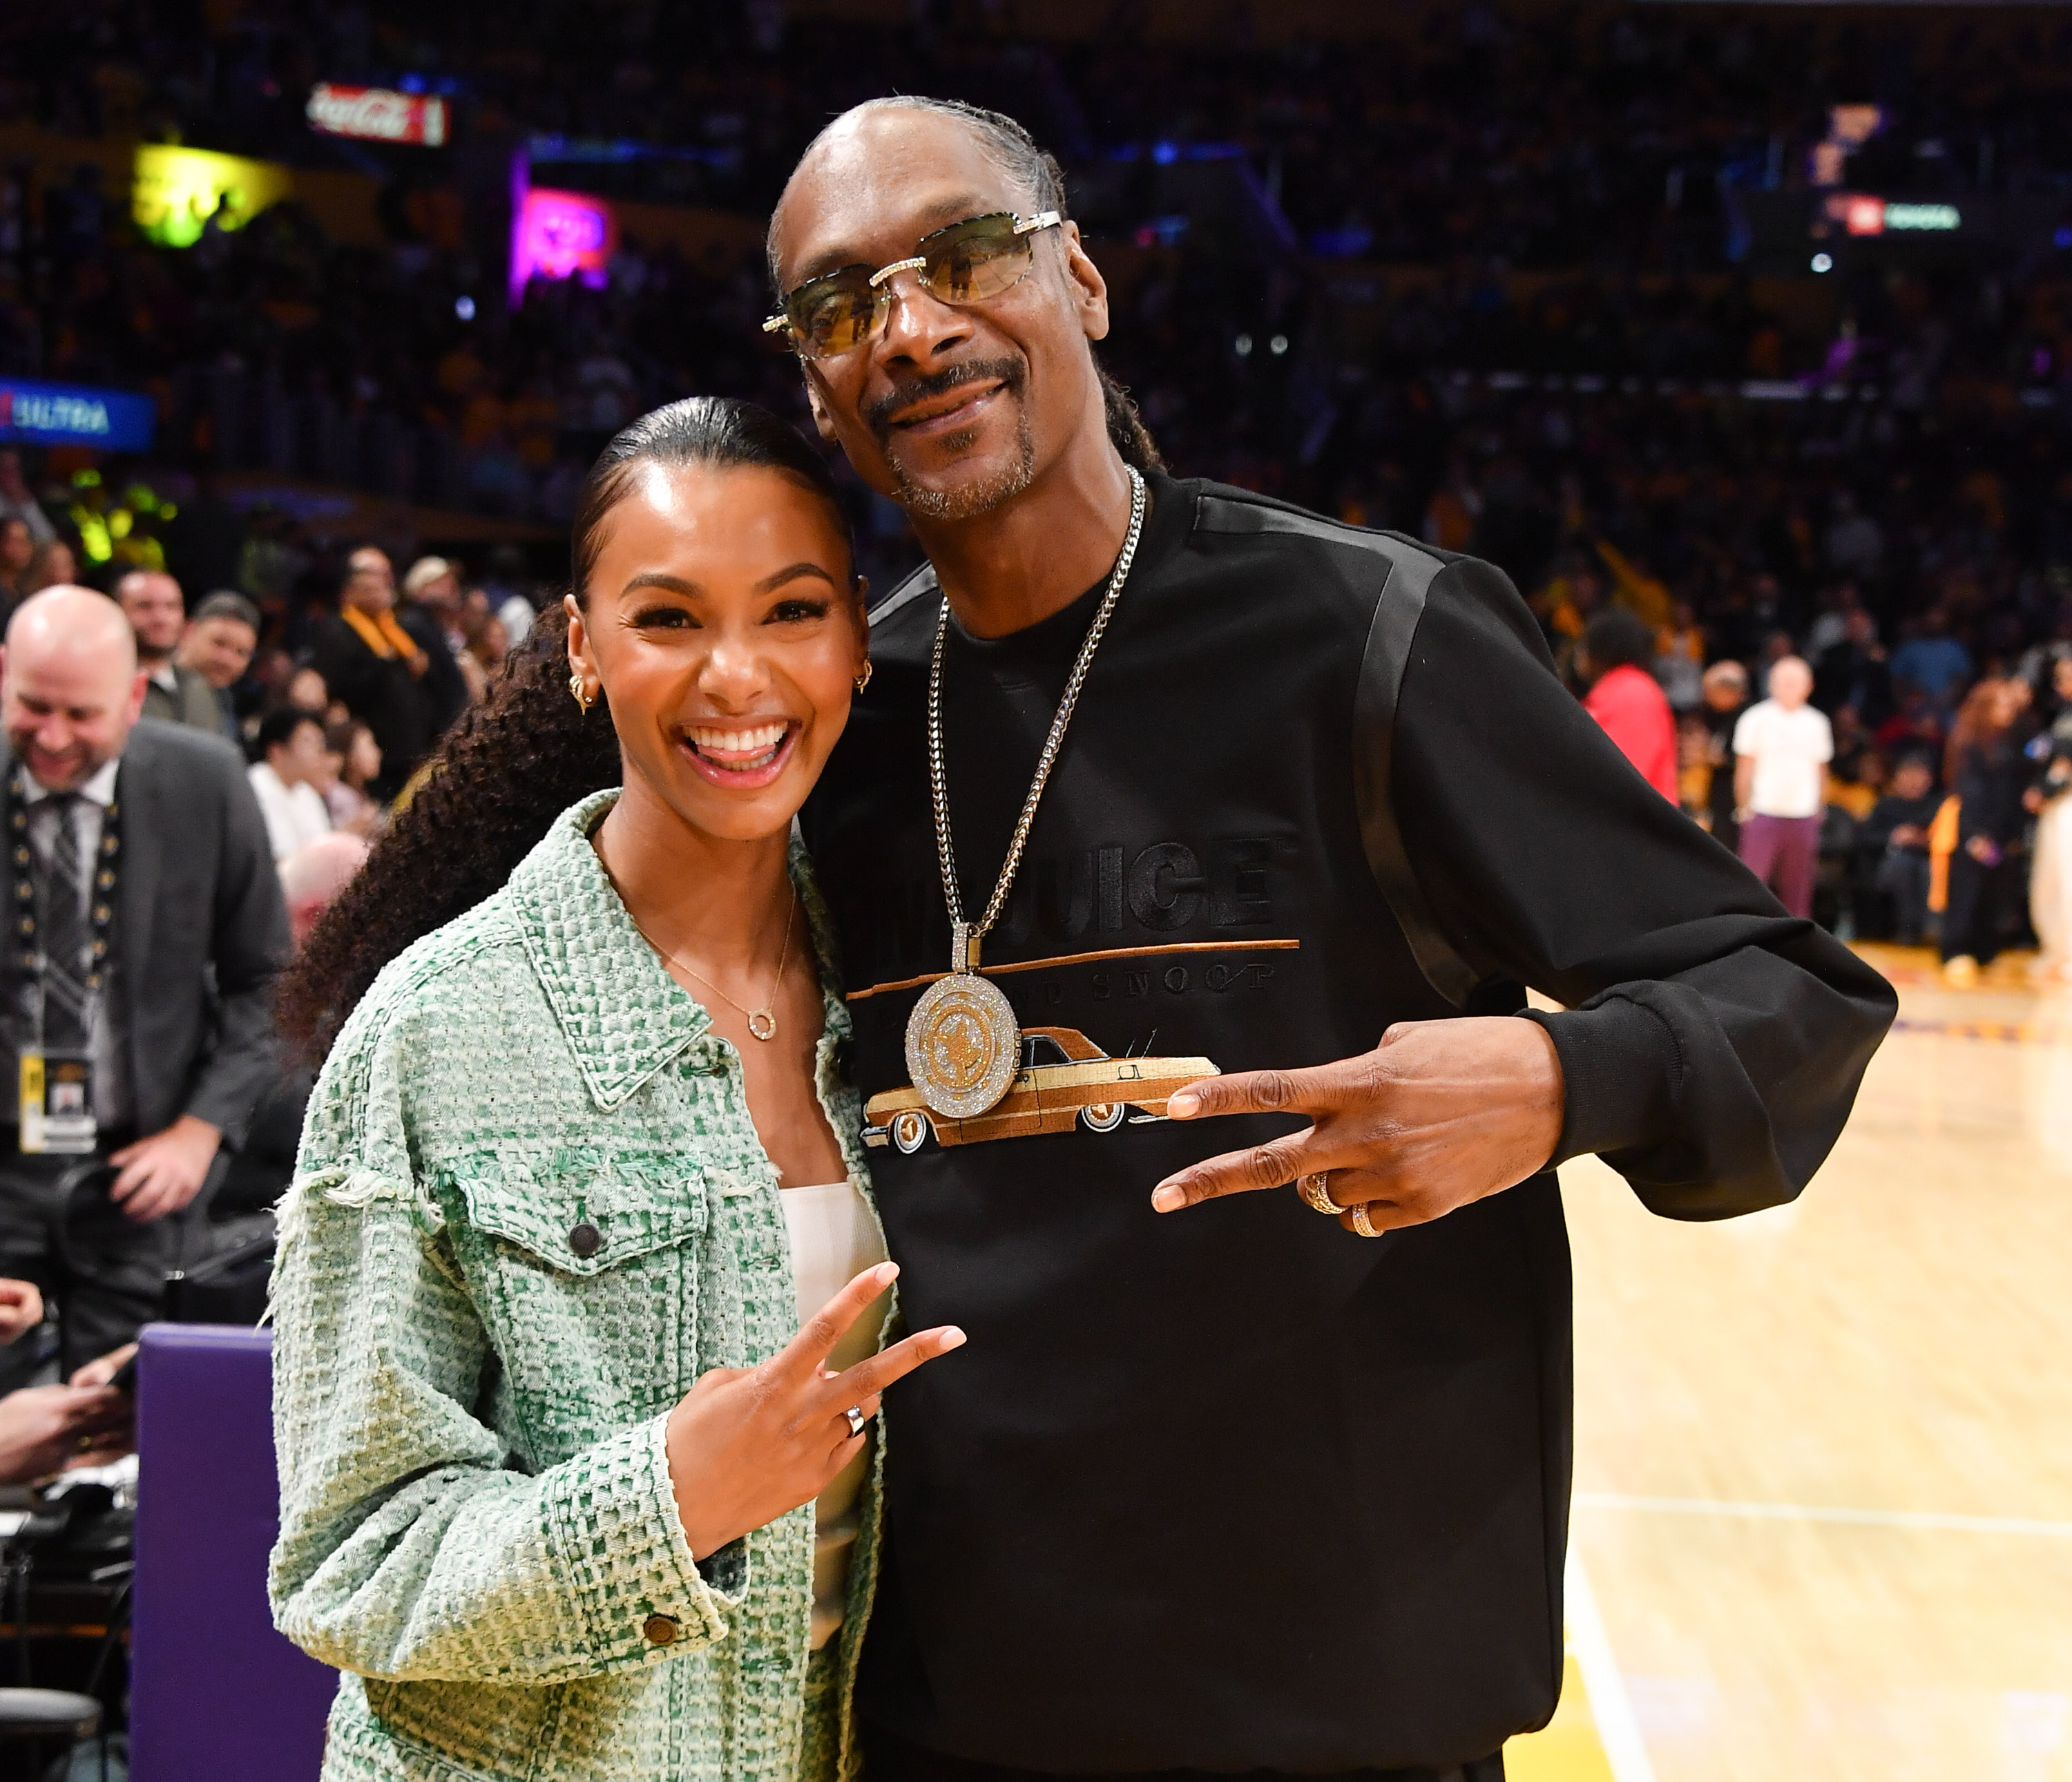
x=1065 y=1081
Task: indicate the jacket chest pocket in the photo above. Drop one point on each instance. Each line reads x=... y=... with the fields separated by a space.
x=589 y=1270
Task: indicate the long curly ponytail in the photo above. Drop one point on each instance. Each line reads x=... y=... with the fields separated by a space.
x=515 y=762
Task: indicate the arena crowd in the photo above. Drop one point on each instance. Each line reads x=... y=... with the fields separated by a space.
x=1493 y=287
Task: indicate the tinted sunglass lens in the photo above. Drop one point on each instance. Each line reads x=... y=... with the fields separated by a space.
x=971 y=261
x=832 y=316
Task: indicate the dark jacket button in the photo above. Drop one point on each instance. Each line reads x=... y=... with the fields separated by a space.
x=659 y=1630
x=584 y=1240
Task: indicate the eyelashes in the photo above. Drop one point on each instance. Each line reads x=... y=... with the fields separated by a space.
x=675 y=618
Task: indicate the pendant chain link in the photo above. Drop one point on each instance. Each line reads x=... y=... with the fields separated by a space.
x=938 y=777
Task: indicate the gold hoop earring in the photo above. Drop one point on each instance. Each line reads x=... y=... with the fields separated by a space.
x=579 y=691
x=863 y=679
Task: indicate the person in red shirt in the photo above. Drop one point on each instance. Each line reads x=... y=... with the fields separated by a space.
x=1627 y=700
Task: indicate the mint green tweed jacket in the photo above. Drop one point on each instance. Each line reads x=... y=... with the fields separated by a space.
x=530 y=1210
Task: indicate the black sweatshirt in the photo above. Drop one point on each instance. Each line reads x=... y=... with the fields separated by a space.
x=1232 y=1488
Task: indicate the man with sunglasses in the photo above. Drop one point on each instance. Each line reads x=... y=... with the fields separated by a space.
x=1204 y=782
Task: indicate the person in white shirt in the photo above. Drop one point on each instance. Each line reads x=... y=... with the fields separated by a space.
x=1781 y=749
x=285 y=782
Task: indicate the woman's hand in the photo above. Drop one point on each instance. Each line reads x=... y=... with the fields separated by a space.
x=748 y=1444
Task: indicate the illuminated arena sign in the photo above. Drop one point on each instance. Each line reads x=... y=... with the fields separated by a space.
x=179 y=191
x=377 y=114
x=562 y=235
x=1863 y=214
x=75 y=414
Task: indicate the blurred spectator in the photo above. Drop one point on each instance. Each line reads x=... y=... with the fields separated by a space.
x=1831 y=624
x=1930 y=659
x=287 y=776
x=17 y=551
x=1852 y=673
x=151 y=602
x=17 y=503
x=1986 y=772
x=431 y=614
x=509 y=598
x=2050 y=880
x=1680 y=661
x=1894 y=838
x=54 y=566
x=258 y=1175
x=1726 y=698
x=488 y=648
x=1626 y=700
x=305 y=691
x=1782 y=748
x=154 y=1022
x=1856 y=542
x=314 y=875
x=369 y=660
x=351 y=745
x=218 y=646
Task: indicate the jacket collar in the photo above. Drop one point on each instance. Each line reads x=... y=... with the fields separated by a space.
x=624 y=1016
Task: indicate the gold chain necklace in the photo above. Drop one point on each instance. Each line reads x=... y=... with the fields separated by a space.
x=964 y=1044
x=762 y=1022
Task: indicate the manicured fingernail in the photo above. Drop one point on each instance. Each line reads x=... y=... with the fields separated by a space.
x=1168 y=1199
x=887 y=1272
x=953 y=1337
x=1183 y=1105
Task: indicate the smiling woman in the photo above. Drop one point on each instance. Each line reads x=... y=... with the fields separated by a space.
x=542 y=1425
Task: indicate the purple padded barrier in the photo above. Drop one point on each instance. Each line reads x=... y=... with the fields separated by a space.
x=215 y=1692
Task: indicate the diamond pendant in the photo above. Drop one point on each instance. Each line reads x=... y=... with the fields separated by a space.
x=964 y=1044
x=762 y=1023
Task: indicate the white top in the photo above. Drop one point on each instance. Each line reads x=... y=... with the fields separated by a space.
x=295 y=815
x=834 y=1238
x=1791 y=748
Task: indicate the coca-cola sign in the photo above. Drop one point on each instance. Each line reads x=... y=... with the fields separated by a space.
x=378 y=113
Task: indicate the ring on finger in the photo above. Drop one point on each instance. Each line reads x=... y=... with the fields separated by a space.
x=1362 y=1224
x=854 y=1413
x=1317 y=1190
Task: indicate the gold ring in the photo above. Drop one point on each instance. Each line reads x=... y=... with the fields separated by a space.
x=1362 y=1224
x=1317 y=1190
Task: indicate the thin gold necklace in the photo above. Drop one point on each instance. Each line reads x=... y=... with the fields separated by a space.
x=762 y=1022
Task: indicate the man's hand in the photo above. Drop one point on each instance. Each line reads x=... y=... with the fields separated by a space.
x=20 y=1308
x=44 y=1429
x=162 y=1174
x=103 y=1369
x=1439 y=1114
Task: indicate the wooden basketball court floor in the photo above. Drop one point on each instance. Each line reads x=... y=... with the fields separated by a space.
x=1822 y=1525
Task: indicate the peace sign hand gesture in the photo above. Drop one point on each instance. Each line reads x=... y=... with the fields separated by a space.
x=746 y=1445
x=1439 y=1114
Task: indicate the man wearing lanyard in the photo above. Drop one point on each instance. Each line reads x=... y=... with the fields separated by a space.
x=1155 y=779
x=145 y=924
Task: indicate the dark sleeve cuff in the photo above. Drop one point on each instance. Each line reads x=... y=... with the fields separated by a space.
x=1620 y=1064
x=725 y=1568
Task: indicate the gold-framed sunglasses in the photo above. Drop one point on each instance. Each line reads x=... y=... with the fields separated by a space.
x=966 y=262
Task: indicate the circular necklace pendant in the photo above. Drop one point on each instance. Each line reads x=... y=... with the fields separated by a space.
x=762 y=1023
x=964 y=1045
